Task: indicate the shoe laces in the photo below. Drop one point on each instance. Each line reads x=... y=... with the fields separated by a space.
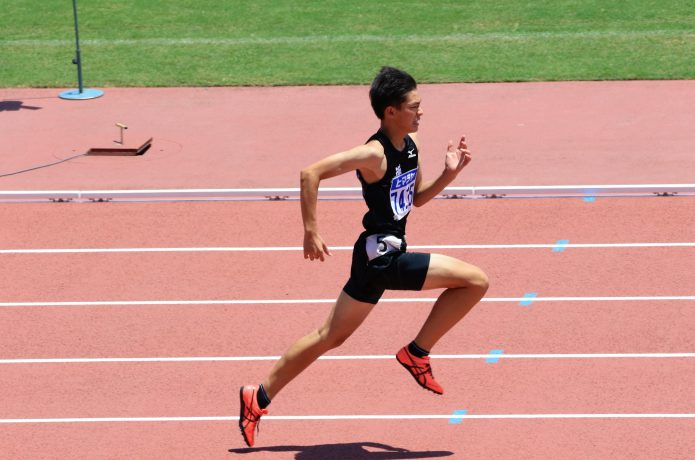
x=423 y=368
x=252 y=417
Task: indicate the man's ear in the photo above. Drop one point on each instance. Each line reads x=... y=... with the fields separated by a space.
x=389 y=111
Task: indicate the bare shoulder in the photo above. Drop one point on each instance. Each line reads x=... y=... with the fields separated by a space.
x=372 y=150
x=369 y=155
x=362 y=157
x=374 y=165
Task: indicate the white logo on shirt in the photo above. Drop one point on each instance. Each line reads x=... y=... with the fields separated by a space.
x=411 y=153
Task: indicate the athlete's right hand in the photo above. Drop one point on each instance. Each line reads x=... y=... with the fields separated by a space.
x=314 y=246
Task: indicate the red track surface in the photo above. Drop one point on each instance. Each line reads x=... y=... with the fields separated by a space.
x=541 y=386
x=626 y=385
x=521 y=134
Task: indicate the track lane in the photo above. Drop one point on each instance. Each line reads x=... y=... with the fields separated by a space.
x=283 y=275
x=654 y=271
x=205 y=224
x=229 y=330
x=331 y=388
x=474 y=439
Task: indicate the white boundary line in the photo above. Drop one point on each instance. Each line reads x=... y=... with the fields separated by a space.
x=328 y=301
x=359 y=38
x=453 y=417
x=344 y=358
x=145 y=250
x=342 y=248
x=343 y=192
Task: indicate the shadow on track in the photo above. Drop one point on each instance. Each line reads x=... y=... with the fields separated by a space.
x=356 y=450
x=14 y=106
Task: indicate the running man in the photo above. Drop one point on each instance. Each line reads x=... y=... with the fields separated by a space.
x=389 y=171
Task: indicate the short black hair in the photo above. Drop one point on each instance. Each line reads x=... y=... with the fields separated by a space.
x=389 y=89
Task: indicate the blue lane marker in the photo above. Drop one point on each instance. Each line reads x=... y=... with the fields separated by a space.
x=494 y=359
x=457 y=417
x=529 y=296
x=590 y=194
x=560 y=245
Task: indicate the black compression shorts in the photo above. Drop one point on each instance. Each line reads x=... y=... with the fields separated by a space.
x=398 y=270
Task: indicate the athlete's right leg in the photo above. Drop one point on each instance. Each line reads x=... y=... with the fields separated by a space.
x=345 y=317
x=464 y=286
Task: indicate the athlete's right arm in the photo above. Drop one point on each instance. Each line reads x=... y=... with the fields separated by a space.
x=367 y=158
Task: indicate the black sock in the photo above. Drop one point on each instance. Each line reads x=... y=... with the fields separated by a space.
x=416 y=350
x=262 y=397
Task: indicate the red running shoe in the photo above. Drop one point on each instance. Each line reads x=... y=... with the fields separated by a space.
x=420 y=369
x=250 y=414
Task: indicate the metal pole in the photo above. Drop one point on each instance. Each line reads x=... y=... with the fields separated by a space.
x=79 y=93
x=77 y=59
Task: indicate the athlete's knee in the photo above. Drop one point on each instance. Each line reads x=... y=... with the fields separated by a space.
x=479 y=280
x=472 y=277
x=332 y=338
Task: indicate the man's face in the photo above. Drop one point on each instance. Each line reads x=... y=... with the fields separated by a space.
x=409 y=113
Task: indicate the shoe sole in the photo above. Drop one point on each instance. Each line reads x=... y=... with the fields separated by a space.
x=407 y=368
x=241 y=416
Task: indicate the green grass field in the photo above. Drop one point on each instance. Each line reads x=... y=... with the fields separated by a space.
x=290 y=42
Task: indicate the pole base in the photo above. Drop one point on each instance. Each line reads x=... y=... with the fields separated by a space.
x=85 y=94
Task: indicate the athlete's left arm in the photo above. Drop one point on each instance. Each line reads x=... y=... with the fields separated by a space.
x=455 y=160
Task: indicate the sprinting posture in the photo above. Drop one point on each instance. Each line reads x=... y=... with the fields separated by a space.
x=389 y=171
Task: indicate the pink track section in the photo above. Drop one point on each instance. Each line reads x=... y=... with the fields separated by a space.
x=573 y=133
x=512 y=386
x=521 y=134
x=567 y=439
x=240 y=224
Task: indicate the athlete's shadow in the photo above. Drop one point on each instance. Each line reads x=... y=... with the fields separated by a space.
x=356 y=450
x=14 y=106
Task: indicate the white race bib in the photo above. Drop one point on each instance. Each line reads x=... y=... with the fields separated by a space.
x=402 y=193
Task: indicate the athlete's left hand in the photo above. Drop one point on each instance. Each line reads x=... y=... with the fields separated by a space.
x=457 y=158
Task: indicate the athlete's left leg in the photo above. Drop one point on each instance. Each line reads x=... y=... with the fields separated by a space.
x=345 y=317
x=465 y=285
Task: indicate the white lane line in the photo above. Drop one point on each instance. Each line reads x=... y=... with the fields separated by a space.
x=360 y=38
x=452 y=416
x=138 y=250
x=107 y=303
x=341 y=248
x=343 y=358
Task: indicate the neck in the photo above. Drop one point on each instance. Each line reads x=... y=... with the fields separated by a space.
x=396 y=137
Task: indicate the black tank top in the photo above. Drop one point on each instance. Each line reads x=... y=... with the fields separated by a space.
x=390 y=199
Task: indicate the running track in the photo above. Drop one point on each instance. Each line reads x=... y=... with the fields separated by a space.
x=139 y=354
x=626 y=383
